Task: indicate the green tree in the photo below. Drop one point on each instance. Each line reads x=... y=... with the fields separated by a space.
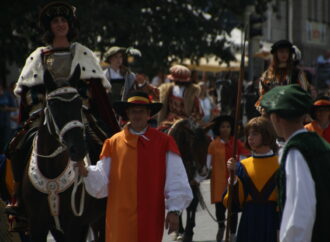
x=164 y=30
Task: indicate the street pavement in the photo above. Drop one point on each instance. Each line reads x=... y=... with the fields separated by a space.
x=206 y=228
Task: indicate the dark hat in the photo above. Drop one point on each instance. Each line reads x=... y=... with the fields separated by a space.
x=137 y=98
x=282 y=44
x=134 y=60
x=112 y=51
x=320 y=102
x=54 y=9
x=288 y=101
x=219 y=120
x=179 y=73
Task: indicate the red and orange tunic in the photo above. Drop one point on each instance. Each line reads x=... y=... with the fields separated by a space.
x=138 y=184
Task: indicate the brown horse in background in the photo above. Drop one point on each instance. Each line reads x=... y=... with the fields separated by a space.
x=60 y=138
x=193 y=145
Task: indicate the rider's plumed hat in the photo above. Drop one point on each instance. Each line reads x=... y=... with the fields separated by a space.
x=282 y=44
x=55 y=9
x=288 y=101
x=179 y=73
x=137 y=98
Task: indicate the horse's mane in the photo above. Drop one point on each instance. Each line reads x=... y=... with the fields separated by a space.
x=178 y=126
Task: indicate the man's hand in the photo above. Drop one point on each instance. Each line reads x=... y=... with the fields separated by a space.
x=172 y=222
x=81 y=168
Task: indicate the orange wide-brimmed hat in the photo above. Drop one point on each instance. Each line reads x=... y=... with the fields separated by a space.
x=179 y=73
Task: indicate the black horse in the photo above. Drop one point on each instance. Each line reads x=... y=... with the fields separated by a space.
x=193 y=145
x=47 y=183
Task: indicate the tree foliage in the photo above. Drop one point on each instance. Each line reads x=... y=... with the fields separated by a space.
x=164 y=30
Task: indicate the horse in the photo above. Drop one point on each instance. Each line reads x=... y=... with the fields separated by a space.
x=47 y=189
x=193 y=145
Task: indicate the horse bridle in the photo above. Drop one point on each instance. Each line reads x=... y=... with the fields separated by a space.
x=49 y=118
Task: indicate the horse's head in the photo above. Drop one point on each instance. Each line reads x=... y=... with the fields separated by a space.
x=63 y=114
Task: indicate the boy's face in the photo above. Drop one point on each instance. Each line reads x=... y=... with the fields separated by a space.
x=276 y=123
x=254 y=139
x=225 y=130
x=322 y=115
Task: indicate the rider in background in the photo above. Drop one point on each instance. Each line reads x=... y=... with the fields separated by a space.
x=219 y=151
x=180 y=97
x=119 y=76
x=60 y=56
x=282 y=70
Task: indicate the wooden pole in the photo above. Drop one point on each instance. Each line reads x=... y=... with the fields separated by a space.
x=236 y=130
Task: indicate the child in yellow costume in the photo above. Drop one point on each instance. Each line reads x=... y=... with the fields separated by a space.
x=255 y=192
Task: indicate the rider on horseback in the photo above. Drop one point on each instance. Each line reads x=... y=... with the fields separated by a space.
x=179 y=97
x=60 y=57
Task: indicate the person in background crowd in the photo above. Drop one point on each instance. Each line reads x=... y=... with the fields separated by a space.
x=206 y=102
x=219 y=151
x=304 y=184
x=141 y=79
x=282 y=70
x=139 y=168
x=255 y=192
x=180 y=97
x=14 y=115
x=321 y=118
x=119 y=76
x=324 y=59
x=251 y=95
x=323 y=70
x=158 y=79
x=7 y=105
x=142 y=84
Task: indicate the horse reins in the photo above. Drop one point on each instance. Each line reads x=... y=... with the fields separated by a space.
x=49 y=119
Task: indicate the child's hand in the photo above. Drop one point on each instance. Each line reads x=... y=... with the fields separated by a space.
x=231 y=164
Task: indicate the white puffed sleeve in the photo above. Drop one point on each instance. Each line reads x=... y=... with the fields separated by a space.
x=178 y=193
x=96 y=182
x=300 y=206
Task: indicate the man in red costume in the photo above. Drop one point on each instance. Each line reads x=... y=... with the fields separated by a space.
x=141 y=172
